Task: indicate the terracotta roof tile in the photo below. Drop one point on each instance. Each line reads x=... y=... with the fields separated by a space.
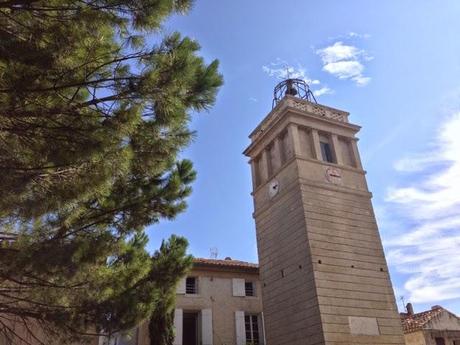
x=229 y=264
x=415 y=322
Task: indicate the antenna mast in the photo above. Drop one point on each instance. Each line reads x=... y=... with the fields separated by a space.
x=213 y=252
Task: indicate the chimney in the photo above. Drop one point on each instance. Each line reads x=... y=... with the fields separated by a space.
x=409 y=309
x=436 y=307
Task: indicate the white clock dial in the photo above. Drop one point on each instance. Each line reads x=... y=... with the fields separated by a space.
x=273 y=188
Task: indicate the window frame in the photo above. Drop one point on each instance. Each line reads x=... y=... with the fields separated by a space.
x=257 y=171
x=347 y=144
x=327 y=149
x=195 y=286
x=253 y=289
x=440 y=341
x=253 y=326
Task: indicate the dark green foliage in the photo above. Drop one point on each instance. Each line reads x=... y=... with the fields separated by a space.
x=91 y=122
x=175 y=264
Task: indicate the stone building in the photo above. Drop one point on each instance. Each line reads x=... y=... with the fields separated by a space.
x=218 y=303
x=437 y=326
x=322 y=266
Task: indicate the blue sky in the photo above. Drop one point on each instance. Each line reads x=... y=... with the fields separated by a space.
x=394 y=65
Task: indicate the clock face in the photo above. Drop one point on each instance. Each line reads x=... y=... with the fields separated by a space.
x=273 y=188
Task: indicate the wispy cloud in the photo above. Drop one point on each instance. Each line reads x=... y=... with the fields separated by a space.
x=353 y=34
x=427 y=251
x=323 y=91
x=345 y=62
x=281 y=69
x=350 y=36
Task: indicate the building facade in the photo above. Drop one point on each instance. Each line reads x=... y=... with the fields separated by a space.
x=322 y=267
x=218 y=303
x=437 y=326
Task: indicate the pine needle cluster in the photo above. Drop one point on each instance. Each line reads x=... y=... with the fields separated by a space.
x=92 y=119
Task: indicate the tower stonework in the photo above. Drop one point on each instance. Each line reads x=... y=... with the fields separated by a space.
x=322 y=267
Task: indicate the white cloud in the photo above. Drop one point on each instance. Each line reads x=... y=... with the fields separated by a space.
x=253 y=99
x=323 y=91
x=282 y=70
x=345 y=62
x=428 y=250
x=361 y=81
x=352 y=34
x=344 y=69
x=338 y=52
x=415 y=163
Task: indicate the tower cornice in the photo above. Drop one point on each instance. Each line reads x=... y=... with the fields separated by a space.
x=302 y=107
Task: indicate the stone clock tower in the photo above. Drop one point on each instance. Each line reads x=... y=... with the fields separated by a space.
x=322 y=266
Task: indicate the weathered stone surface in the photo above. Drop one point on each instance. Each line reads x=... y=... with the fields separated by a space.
x=322 y=266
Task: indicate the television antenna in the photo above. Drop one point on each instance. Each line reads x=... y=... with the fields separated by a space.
x=213 y=252
x=403 y=301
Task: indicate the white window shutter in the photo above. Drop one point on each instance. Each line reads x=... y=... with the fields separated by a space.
x=238 y=287
x=263 y=327
x=240 y=328
x=206 y=324
x=178 y=318
x=180 y=289
x=103 y=340
x=111 y=340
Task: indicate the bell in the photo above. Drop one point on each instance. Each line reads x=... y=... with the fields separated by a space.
x=291 y=91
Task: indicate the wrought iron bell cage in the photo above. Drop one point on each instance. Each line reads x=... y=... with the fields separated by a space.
x=293 y=87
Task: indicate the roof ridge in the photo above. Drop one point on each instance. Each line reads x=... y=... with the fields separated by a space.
x=417 y=321
x=225 y=264
x=222 y=260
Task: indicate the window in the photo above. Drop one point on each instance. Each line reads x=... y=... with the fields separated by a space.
x=282 y=146
x=249 y=289
x=305 y=141
x=191 y=285
x=274 y=156
x=271 y=159
x=439 y=341
x=347 y=152
x=251 y=325
x=259 y=170
x=326 y=149
x=286 y=147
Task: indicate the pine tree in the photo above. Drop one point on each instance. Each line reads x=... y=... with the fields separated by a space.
x=161 y=323
x=92 y=118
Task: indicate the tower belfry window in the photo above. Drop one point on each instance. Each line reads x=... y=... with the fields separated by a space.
x=326 y=149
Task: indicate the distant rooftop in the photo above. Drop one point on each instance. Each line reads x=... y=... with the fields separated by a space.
x=226 y=264
x=417 y=321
